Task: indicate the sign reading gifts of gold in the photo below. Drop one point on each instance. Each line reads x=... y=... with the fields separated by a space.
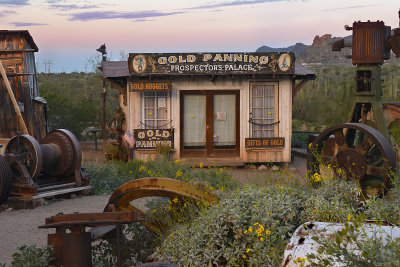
x=211 y=63
x=270 y=142
x=149 y=138
x=149 y=85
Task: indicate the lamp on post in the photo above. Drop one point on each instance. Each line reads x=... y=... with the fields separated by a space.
x=102 y=50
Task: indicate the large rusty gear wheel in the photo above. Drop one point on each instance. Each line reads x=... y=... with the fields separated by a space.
x=358 y=150
x=5 y=179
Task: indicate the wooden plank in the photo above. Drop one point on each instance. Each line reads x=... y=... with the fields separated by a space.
x=61 y=191
x=14 y=101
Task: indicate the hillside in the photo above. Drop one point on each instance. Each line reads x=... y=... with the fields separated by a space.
x=320 y=51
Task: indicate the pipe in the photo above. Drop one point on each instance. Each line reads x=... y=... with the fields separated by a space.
x=54 y=187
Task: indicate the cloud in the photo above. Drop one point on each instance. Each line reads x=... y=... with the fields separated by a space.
x=14 y=2
x=99 y=15
x=233 y=3
x=6 y=12
x=349 y=7
x=26 y=24
x=71 y=7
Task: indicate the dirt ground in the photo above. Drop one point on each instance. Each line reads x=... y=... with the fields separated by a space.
x=20 y=227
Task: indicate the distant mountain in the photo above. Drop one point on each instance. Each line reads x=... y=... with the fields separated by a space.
x=320 y=51
x=298 y=48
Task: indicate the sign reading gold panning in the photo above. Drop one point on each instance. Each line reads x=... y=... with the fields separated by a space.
x=149 y=86
x=149 y=138
x=270 y=142
x=211 y=63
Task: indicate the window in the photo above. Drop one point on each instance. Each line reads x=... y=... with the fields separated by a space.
x=264 y=110
x=155 y=110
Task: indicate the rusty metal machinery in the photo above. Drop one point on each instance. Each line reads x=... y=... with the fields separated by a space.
x=359 y=152
x=72 y=242
x=363 y=153
x=53 y=164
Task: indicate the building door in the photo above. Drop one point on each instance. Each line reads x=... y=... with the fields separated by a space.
x=209 y=123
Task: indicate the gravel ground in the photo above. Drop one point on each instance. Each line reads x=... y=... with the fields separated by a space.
x=20 y=227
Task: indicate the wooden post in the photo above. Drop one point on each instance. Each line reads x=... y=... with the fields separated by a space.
x=13 y=100
x=104 y=106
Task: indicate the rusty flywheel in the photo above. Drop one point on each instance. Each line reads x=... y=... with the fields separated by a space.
x=357 y=150
x=121 y=199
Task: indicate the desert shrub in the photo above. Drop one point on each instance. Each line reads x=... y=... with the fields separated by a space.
x=105 y=178
x=32 y=256
x=249 y=226
x=300 y=140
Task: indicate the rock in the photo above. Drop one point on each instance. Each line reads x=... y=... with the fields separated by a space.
x=262 y=168
x=275 y=168
x=73 y=196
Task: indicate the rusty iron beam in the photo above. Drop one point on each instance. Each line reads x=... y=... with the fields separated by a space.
x=13 y=100
x=91 y=219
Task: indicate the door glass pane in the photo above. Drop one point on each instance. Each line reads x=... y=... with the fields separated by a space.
x=224 y=136
x=194 y=121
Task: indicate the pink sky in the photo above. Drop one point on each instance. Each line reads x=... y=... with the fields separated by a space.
x=68 y=31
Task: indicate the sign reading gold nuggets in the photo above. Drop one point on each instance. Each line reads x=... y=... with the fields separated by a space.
x=149 y=86
x=270 y=142
x=149 y=138
x=211 y=63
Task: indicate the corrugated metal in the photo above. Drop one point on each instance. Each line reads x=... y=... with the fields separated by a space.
x=301 y=244
x=368 y=42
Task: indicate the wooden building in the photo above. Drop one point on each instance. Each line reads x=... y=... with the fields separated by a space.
x=17 y=56
x=224 y=108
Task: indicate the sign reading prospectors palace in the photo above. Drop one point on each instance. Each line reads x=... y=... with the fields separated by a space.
x=211 y=63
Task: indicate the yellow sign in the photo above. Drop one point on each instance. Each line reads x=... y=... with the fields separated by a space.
x=149 y=86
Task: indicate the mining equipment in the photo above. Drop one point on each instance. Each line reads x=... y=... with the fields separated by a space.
x=72 y=241
x=362 y=148
x=34 y=162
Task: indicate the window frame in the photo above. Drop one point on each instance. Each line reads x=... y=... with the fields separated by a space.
x=264 y=120
x=143 y=123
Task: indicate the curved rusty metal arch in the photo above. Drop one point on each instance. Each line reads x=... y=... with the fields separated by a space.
x=156 y=186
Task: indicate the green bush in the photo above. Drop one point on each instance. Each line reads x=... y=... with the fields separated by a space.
x=105 y=178
x=32 y=256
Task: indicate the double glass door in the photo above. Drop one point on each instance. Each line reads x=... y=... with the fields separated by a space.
x=210 y=123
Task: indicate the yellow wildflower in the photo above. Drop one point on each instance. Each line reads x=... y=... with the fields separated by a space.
x=349 y=217
x=261 y=239
x=250 y=229
x=220 y=188
x=201 y=164
x=255 y=223
x=299 y=259
x=175 y=200
x=149 y=172
x=211 y=188
x=267 y=232
x=154 y=211
x=243 y=256
x=184 y=205
x=248 y=250
x=169 y=207
x=171 y=235
x=314 y=211
x=220 y=169
x=178 y=173
x=245 y=231
x=142 y=168
x=198 y=203
x=177 y=161
x=309 y=145
x=130 y=172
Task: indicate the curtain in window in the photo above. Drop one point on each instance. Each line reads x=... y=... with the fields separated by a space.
x=194 y=116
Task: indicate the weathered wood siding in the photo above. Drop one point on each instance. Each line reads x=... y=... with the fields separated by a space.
x=17 y=57
x=240 y=83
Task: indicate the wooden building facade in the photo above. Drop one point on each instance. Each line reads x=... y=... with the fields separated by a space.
x=210 y=107
x=17 y=56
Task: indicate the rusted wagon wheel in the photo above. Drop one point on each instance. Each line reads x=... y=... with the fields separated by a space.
x=358 y=150
x=121 y=199
x=5 y=179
